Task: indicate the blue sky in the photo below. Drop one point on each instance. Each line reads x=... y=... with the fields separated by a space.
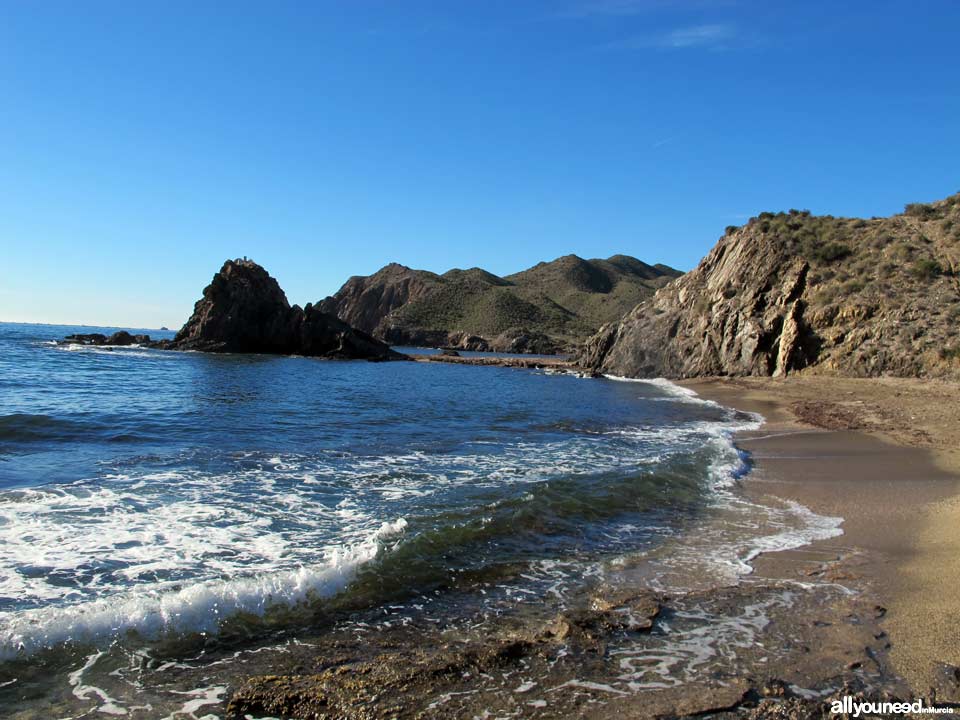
x=142 y=143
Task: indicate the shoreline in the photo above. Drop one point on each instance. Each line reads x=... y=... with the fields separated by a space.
x=883 y=455
x=534 y=362
x=865 y=614
x=834 y=616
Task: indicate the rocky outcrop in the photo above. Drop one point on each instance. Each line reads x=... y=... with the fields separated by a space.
x=413 y=337
x=518 y=340
x=727 y=317
x=791 y=291
x=324 y=335
x=243 y=310
x=120 y=338
x=545 y=309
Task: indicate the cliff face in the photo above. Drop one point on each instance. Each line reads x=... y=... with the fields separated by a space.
x=545 y=309
x=244 y=310
x=793 y=291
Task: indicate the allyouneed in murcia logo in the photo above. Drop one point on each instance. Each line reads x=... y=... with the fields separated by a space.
x=849 y=706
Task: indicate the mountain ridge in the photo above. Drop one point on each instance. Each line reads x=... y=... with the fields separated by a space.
x=544 y=309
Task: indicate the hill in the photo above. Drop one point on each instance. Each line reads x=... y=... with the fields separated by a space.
x=550 y=307
x=792 y=291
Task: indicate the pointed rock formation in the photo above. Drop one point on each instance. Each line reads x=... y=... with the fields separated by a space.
x=243 y=310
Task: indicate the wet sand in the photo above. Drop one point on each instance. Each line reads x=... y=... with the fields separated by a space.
x=884 y=455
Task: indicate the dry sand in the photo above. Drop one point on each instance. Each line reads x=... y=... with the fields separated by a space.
x=884 y=454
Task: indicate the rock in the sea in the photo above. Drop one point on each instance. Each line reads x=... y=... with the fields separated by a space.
x=790 y=291
x=243 y=310
x=633 y=613
x=121 y=338
x=124 y=338
x=86 y=339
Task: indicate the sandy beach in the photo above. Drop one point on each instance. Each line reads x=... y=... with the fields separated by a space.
x=883 y=454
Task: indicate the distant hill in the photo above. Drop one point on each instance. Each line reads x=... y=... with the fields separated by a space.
x=792 y=291
x=550 y=307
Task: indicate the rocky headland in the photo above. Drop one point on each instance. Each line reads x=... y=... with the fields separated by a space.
x=244 y=310
x=792 y=291
x=549 y=308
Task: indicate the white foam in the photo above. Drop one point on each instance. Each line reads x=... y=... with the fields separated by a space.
x=133 y=350
x=685 y=651
x=179 y=550
x=754 y=529
x=81 y=691
x=201 y=696
x=745 y=529
x=590 y=685
x=676 y=393
x=196 y=607
x=729 y=464
x=814 y=527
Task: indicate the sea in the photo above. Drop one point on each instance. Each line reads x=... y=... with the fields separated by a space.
x=165 y=510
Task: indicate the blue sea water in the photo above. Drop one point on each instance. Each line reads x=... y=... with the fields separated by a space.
x=147 y=494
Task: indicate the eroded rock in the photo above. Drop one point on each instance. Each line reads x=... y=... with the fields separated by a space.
x=383 y=687
x=120 y=338
x=243 y=310
x=791 y=291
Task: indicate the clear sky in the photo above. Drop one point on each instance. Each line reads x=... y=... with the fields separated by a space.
x=142 y=143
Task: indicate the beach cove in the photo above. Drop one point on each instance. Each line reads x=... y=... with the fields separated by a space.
x=600 y=589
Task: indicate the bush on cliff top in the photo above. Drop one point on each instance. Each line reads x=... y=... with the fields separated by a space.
x=920 y=210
